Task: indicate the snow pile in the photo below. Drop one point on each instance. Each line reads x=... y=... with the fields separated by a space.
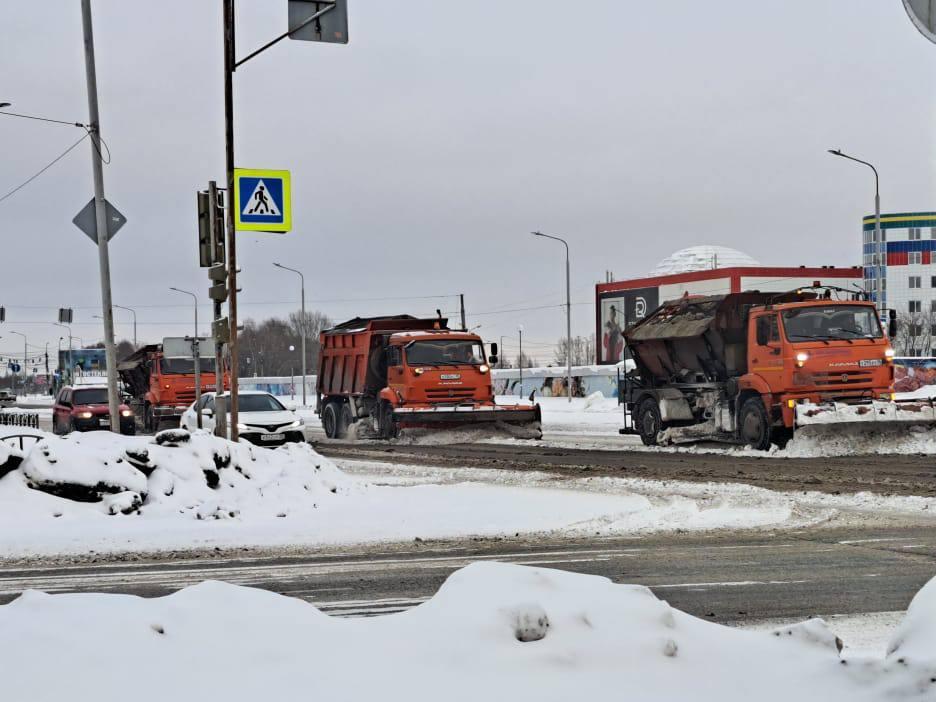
x=860 y=439
x=493 y=631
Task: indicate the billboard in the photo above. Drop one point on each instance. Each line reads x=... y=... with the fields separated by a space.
x=618 y=310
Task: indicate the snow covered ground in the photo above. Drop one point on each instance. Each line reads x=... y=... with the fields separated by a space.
x=493 y=631
x=102 y=492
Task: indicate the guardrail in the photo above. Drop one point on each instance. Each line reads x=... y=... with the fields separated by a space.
x=19 y=419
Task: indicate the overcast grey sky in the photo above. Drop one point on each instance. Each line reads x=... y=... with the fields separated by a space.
x=423 y=152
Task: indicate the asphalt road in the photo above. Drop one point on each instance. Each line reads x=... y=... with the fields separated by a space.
x=731 y=578
x=891 y=474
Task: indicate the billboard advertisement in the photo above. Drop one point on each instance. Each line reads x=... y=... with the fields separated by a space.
x=617 y=311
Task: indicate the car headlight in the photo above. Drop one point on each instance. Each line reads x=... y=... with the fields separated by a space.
x=295 y=425
x=242 y=427
x=85 y=415
x=126 y=413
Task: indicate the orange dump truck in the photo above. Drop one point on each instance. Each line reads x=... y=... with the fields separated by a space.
x=383 y=374
x=751 y=367
x=161 y=379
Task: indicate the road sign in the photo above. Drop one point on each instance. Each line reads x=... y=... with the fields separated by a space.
x=923 y=15
x=261 y=201
x=86 y=220
x=331 y=26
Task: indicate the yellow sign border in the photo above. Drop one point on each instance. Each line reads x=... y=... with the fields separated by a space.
x=287 y=201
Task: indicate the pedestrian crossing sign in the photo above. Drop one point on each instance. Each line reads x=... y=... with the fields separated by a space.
x=262 y=200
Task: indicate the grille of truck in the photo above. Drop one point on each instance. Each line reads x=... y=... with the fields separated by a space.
x=842 y=379
x=450 y=394
x=185 y=396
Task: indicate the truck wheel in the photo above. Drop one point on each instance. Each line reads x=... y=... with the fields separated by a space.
x=754 y=424
x=330 y=420
x=344 y=421
x=386 y=427
x=648 y=421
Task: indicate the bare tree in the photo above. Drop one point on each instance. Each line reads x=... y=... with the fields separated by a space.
x=915 y=333
x=314 y=324
x=582 y=351
x=524 y=361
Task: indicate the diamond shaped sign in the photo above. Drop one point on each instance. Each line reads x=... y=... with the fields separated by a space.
x=86 y=220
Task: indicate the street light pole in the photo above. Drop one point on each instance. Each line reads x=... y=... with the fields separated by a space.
x=568 y=313
x=880 y=247
x=25 y=352
x=71 y=360
x=196 y=353
x=133 y=312
x=520 y=386
x=302 y=326
x=97 y=167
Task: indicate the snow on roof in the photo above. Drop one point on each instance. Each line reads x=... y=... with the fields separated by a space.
x=702 y=258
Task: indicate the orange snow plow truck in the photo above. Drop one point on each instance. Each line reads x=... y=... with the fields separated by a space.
x=378 y=376
x=752 y=367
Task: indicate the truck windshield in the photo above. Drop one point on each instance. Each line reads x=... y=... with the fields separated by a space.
x=91 y=396
x=831 y=322
x=444 y=352
x=185 y=366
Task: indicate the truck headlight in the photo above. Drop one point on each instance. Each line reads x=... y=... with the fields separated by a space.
x=801 y=358
x=483 y=368
x=419 y=371
x=889 y=354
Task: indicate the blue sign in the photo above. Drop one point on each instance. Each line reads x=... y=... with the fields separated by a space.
x=15 y=367
x=262 y=200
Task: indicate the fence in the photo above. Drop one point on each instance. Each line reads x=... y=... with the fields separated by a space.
x=19 y=419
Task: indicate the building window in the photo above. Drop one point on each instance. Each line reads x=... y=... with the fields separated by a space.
x=933 y=283
x=915 y=330
x=932 y=232
x=914 y=233
x=933 y=330
x=915 y=306
x=915 y=257
x=915 y=281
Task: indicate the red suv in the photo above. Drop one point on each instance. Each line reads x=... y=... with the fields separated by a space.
x=84 y=408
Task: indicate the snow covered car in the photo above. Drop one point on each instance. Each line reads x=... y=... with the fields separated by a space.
x=7 y=399
x=85 y=408
x=262 y=419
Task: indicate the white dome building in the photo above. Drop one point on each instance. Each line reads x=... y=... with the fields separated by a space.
x=702 y=258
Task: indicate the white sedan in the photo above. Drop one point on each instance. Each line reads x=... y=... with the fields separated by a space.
x=262 y=419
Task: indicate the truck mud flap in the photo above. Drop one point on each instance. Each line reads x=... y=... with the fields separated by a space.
x=875 y=411
x=520 y=421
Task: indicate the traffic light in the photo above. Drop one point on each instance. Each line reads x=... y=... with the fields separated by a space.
x=2 y=314
x=218 y=276
x=210 y=238
x=66 y=314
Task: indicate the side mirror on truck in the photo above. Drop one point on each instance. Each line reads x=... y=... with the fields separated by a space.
x=892 y=323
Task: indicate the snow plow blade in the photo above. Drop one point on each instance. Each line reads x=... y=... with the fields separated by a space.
x=876 y=412
x=520 y=421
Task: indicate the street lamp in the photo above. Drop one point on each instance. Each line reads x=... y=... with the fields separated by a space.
x=292 y=373
x=196 y=353
x=520 y=386
x=133 y=312
x=302 y=325
x=568 y=313
x=70 y=357
x=879 y=246
x=25 y=353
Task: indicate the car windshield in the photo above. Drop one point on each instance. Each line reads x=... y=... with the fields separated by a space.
x=831 y=322
x=444 y=352
x=258 y=403
x=185 y=366
x=91 y=396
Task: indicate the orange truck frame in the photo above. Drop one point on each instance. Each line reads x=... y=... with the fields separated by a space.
x=161 y=388
x=383 y=374
x=751 y=367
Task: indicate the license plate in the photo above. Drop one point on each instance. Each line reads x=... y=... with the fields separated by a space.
x=450 y=376
x=105 y=422
x=272 y=437
x=870 y=362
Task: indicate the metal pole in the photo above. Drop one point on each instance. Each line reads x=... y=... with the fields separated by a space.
x=302 y=326
x=520 y=385
x=133 y=312
x=229 y=67
x=568 y=313
x=24 y=362
x=196 y=355
x=461 y=300
x=110 y=350
x=220 y=410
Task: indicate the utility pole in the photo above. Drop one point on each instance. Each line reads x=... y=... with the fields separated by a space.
x=302 y=326
x=461 y=300
x=133 y=312
x=520 y=385
x=213 y=224
x=25 y=351
x=110 y=350
x=229 y=67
